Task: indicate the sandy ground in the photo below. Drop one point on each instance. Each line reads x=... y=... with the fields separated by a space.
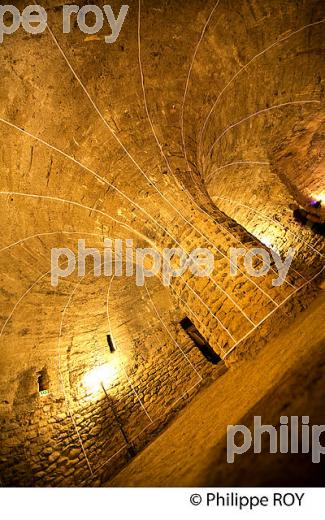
x=286 y=378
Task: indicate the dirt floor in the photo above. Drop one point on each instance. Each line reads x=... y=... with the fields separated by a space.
x=286 y=378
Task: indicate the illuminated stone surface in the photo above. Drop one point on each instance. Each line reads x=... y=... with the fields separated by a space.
x=68 y=437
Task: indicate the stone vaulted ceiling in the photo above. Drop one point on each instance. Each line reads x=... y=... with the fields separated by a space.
x=202 y=123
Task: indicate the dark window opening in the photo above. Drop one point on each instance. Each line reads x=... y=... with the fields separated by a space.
x=203 y=346
x=186 y=323
x=110 y=343
x=43 y=382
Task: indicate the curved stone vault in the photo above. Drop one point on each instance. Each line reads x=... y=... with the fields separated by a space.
x=199 y=127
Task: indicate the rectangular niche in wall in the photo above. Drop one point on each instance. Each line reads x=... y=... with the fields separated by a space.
x=110 y=343
x=203 y=346
x=43 y=382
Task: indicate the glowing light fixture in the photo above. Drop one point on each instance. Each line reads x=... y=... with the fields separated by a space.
x=315 y=204
x=318 y=197
x=270 y=236
x=99 y=379
x=95 y=378
x=269 y=241
x=266 y=241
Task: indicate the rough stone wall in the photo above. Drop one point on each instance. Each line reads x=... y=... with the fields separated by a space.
x=268 y=216
x=268 y=85
x=70 y=436
x=95 y=187
x=299 y=160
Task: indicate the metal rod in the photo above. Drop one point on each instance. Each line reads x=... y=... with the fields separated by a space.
x=111 y=403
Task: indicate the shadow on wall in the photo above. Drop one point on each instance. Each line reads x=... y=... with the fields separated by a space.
x=294 y=396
